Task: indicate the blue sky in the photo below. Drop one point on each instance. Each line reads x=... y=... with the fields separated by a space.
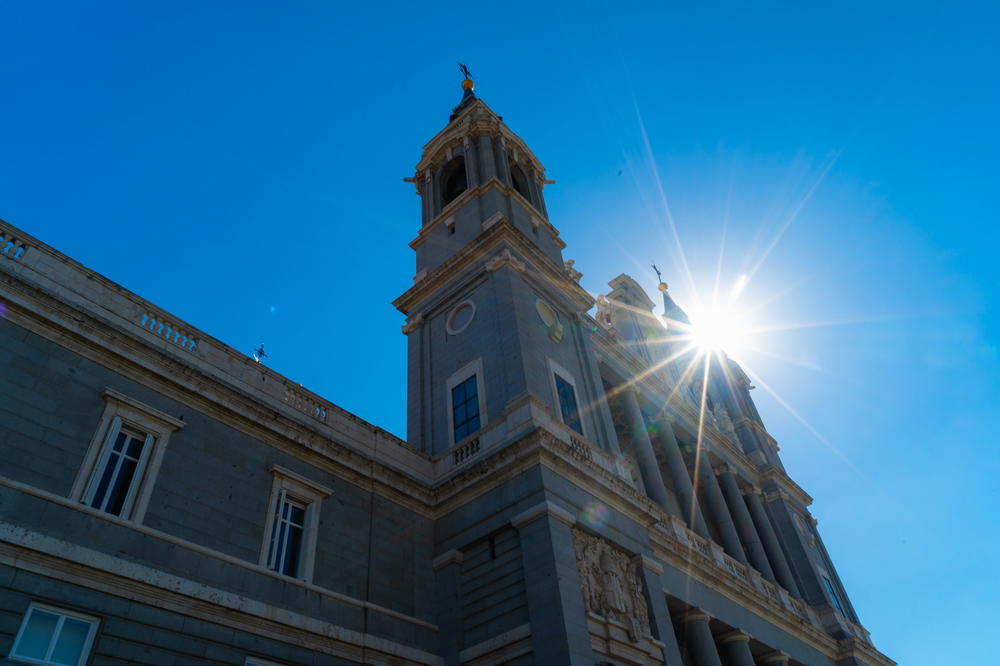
x=241 y=165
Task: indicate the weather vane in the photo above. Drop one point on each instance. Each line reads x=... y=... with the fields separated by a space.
x=659 y=278
x=465 y=70
x=259 y=353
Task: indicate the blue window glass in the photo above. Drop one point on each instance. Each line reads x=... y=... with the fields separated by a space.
x=833 y=595
x=465 y=408
x=567 y=404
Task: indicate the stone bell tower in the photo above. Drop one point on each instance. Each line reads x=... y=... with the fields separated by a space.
x=495 y=345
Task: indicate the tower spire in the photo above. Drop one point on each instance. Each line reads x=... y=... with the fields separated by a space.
x=468 y=88
x=670 y=309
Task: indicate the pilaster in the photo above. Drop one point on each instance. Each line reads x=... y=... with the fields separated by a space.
x=559 y=633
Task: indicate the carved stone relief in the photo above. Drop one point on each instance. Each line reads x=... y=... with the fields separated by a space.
x=611 y=584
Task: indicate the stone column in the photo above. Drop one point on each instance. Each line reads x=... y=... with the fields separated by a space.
x=748 y=439
x=744 y=523
x=471 y=168
x=487 y=163
x=559 y=634
x=717 y=505
x=701 y=644
x=659 y=617
x=427 y=195
x=774 y=659
x=503 y=162
x=639 y=437
x=736 y=648
x=772 y=547
x=448 y=596
x=682 y=481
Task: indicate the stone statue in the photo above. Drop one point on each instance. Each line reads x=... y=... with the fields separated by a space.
x=611 y=584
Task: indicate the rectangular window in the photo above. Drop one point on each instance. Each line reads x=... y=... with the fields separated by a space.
x=51 y=636
x=292 y=524
x=121 y=463
x=286 y=536
x=567 y=403
x=833 y=595
x=119 y=470
x=465 y=408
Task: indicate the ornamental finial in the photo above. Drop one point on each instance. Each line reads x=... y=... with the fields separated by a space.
x=467 y=84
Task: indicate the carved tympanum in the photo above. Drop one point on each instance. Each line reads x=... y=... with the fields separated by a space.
x=611 y=584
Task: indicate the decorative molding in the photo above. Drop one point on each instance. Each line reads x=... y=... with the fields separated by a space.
x=70 y=563
x=317 y=490
x=651 y=564
x=415 y=322
x=449 y=322
x=734 y=635
x=545 y=508
x=504 y=258
x=448 y=557
x=499 y=642
x=495 y=218
x=551 y=274
x=697 y=615
x=151 y=412
x=571 y=272
x=208 y=552
x=776 y=657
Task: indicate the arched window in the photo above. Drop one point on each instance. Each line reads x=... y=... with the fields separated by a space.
x=453 y=180
x=519 y=181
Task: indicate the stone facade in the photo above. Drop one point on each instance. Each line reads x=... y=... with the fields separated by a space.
x=553 y=502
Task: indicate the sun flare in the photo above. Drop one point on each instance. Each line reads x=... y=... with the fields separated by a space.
x=718 y=328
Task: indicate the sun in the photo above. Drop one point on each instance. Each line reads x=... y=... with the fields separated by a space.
x=719 y=328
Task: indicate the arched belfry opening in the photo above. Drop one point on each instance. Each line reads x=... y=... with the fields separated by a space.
x=453 y=180
x=519 y=181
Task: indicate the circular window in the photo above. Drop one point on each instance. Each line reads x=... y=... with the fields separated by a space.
x=460 y=317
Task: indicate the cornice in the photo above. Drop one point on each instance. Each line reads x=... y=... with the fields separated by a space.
x=786 y=484
x=477 y=191
x=477 y=251
x=74 y=564
x=465 y=124
x=118 y=349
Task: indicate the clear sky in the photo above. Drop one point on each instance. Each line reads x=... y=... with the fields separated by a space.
x=240 y=164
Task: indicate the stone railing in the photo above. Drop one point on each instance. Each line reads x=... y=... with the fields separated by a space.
x=159 y=325
x=11 y=247
x=465 y=451
x=300 y=400
x=684 y=542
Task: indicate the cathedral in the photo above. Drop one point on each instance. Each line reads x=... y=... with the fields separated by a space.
x=569 y=490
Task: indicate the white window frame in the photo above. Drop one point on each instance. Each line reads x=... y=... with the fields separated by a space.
x=459 y=376
x=121 y=411
x=63 y=614
x=556 y=369
x=287 y=485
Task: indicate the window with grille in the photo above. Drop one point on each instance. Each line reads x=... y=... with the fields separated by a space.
x=465 y=408
x=124 y=456
x=292 y=523
x=119 y=470
x=287 y=535
x=568 y=409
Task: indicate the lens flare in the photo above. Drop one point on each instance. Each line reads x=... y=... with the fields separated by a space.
x=595 y=514
x=716 y=328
